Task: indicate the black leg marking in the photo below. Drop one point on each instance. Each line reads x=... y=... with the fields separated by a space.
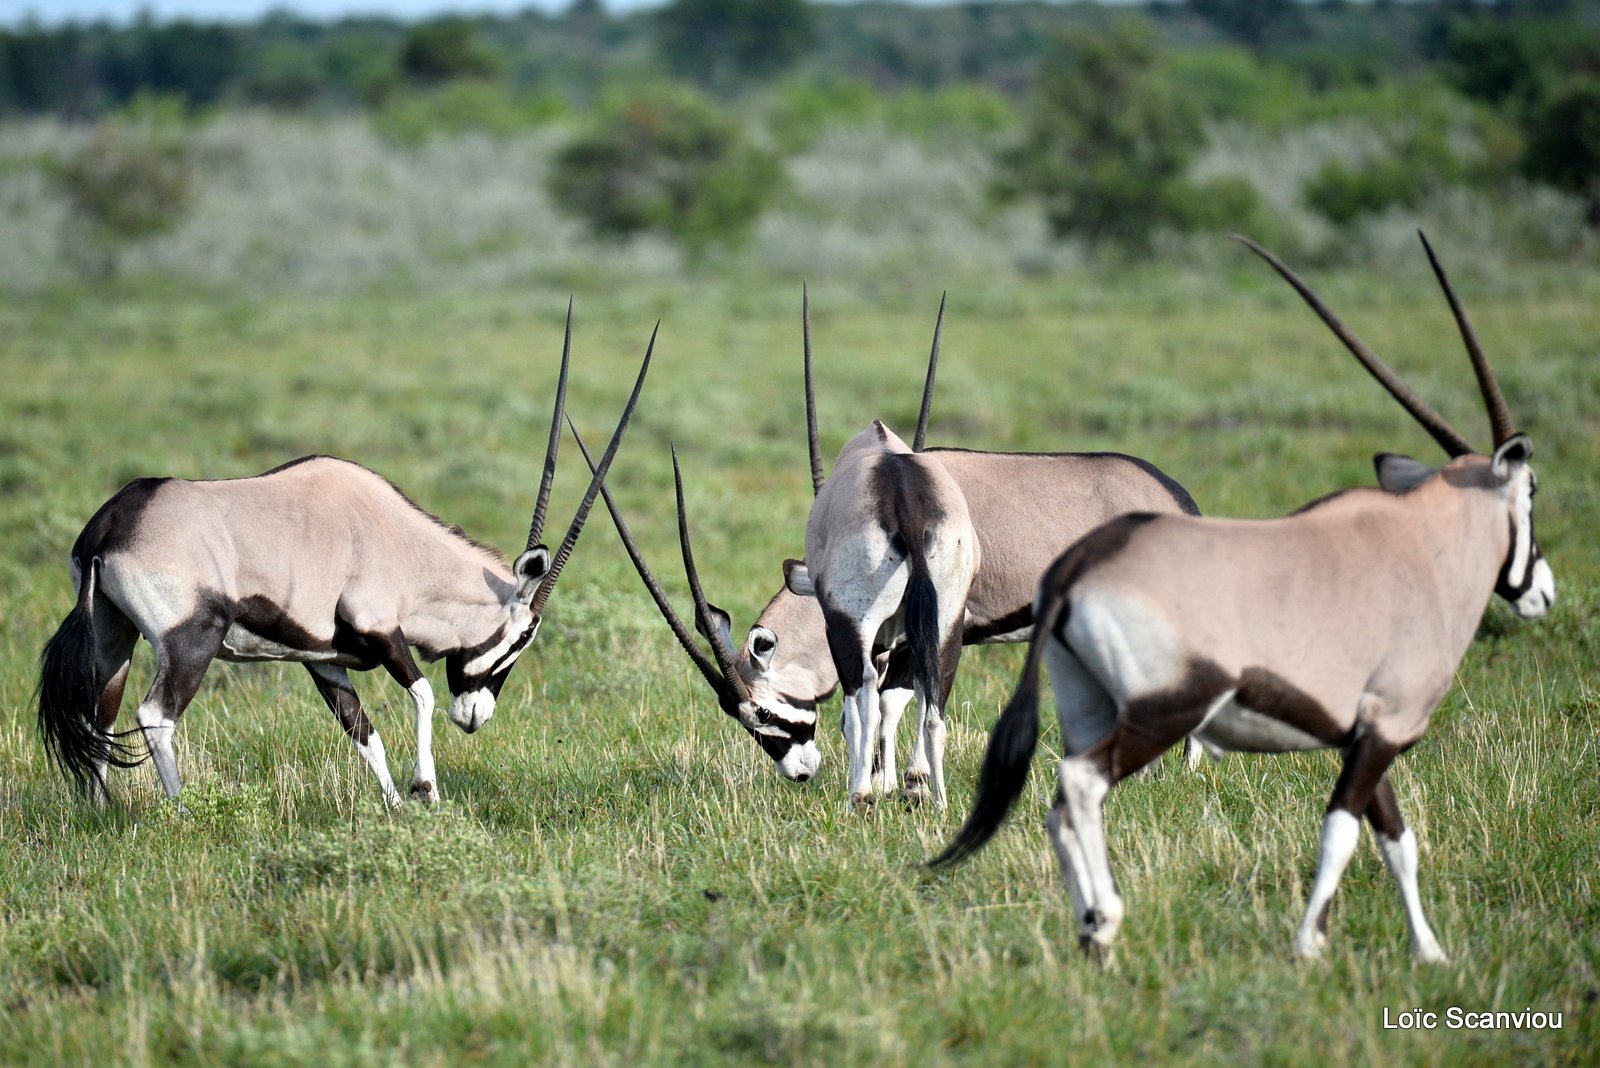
x=1383 y=811
x=334 y=686
x=1366 y=764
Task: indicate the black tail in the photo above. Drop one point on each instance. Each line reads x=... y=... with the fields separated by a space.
x=922 y=627
x=1010 y=753
x=69 y=691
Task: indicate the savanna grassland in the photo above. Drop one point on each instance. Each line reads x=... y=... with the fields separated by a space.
x=616 y=875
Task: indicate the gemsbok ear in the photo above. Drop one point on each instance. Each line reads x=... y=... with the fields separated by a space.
x=1512 y=454
x=530 y=569
x=798 y=579
x=724 y=625
x=759 y=646
x=1399 y=474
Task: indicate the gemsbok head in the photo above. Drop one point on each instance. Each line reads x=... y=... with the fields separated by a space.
x=319 y=561
x=1339 y=626
x=1026 y=508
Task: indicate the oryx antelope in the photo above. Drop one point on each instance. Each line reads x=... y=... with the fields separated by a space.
x=1025 y=507
x=1340 y=626
x=320 y=561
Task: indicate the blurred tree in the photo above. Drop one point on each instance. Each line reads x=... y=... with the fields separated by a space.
x=184 y=59
x=722 y=43
x=440 y=51
x=1249 y=22
x=666 y=160
x=1107 y=143
x=283 y=74
x=1490 y=60
x=1564 y=142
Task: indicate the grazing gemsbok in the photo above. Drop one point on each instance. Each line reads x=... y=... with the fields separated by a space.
x=1340 y=626
x=320 y=561
x=1025 y=507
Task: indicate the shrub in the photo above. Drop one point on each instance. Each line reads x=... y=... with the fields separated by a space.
x=666 y=161
x=1107 y=143
x=134 y=178
x=721 y=43
x=441 y=51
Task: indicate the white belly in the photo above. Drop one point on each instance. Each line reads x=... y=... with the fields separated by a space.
x=246 y=645
x=1237 y=728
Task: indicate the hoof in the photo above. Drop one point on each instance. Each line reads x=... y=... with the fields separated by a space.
x=916 y=793
x=865 y=800
x=1308 y=946
x=425 y=792
x=1096 y=951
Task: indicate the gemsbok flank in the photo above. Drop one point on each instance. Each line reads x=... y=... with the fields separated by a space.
x=1025 y=507
x=1339 y=626
x=319 y=561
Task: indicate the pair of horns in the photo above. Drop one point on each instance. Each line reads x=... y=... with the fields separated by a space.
x=721 y=674
x=597 y=479
x=811 y=399
x=1454 y=443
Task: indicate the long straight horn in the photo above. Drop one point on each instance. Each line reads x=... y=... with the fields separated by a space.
x=565 y=551
x=1499 y=415
x=704 y=619
x=811 y=397
x=711 y=672
x=542 y=504
x=1431 y=421
x=927 y=385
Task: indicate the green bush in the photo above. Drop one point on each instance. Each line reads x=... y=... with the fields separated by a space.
x=667 y=161
x=458 y=107
x=444 y=50
x=1107 y=142
x=134 y=178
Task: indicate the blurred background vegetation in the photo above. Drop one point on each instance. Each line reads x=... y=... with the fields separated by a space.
x=788 y=137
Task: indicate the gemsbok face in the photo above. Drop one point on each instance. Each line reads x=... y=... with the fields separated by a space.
x=320 y=562
x=1340 y=626
x=1025 y=507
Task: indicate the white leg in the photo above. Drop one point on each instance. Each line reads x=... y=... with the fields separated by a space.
x=424 y=786
x=861 y=728
x=893 y=704
x=1074 y=866
x=158 y=730
x=932 y=717
x=377 y=759
x=1340 y=832
x=1084 y=790
x=1400 y=854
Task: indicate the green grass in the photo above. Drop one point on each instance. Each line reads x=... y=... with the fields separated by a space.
x=617 y=875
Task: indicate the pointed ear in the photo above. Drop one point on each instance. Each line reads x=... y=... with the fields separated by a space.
x=1398 y=474
x=724 y=625
x=759 y=647
x=530 y=569
x=798 y=579
x=1511 y=455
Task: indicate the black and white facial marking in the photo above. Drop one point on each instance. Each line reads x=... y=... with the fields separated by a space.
x=786 y=730
x=1525 y=580
x=476 y=675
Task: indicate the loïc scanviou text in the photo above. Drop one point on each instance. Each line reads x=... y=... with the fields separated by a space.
x=1456 y=1018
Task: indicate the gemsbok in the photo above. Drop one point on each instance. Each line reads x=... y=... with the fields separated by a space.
x=1339 y=626
x=1025 y=507
x=320 y=561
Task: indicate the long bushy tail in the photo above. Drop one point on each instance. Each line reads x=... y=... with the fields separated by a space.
x=68 y=693
x=922 y=626
x=1010 y=753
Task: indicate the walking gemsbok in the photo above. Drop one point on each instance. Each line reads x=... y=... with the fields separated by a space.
x=1025 y=508
x=320 y=561
x=1340 y=626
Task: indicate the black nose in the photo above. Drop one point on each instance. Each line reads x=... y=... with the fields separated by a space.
x=802 y=776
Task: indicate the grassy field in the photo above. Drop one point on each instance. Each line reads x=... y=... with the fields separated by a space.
x=617 y=876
